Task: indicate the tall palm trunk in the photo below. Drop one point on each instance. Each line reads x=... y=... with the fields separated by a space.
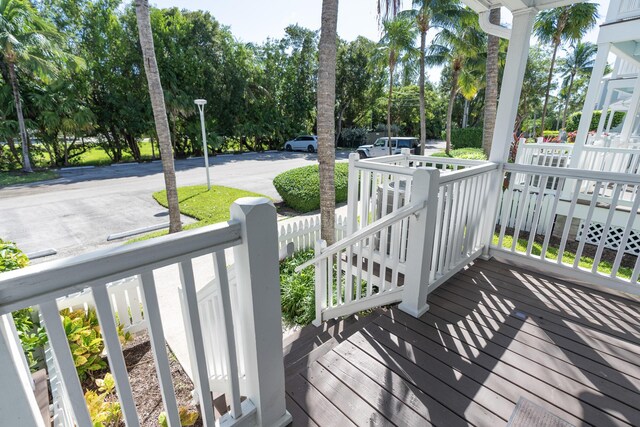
x=13 y=78
x=159 y=111
x=391 y=69
x=452 y=98
x=326 y=119
x=566 y=102
x=491 y=91
x=556 y=44
x=423 y=121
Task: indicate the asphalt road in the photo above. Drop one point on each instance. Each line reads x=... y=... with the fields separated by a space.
x=75 y=213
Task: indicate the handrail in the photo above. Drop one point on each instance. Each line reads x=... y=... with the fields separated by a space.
x=574 y=173
x=469 y=172
x=384 y=159
x=383 y=167
x=372 y=228
x=556 y=145
x=38 y=283
x=611 y=149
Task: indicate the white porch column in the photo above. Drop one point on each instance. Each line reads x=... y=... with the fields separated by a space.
x=258 y=281
x=630 y=118
x=513 y=76
x=18 y=406
x=590 y=102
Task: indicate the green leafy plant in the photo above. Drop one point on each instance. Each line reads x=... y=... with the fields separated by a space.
x=11 y=258
x=32 y=336
x=85 y=340
x=300 y=187
x=104 y=409
x=574 y=120
x=188 y=417
x=297 y=290
x=464 y=153
x=465 y=137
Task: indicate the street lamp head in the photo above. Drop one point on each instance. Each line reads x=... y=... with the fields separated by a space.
x=200 y=101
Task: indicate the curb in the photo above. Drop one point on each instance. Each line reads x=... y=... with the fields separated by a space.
x=129 y=233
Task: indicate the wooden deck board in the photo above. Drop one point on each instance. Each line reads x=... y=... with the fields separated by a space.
x=494 y=333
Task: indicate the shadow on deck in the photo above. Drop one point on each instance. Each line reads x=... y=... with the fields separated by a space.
x=493 y=334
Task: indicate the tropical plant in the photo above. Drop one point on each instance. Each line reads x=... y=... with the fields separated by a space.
x=460 y=49
x=159 y=112
x=29 y=43
x=430 y=14
x=104 y=409
x=562 y=24
x=579 y=61
x=397 y=46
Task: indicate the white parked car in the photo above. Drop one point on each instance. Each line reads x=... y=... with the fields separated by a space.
x=307 y=143
x=381 y=148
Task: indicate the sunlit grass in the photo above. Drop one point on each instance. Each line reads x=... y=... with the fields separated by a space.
x=12 y=178
x=568 y=257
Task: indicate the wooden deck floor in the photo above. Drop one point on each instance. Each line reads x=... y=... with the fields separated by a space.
x=493 y=334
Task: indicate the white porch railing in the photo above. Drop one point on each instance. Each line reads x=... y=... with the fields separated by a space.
x=253 y=236
x=410 y=229
x=565 y=210
x=628 y=9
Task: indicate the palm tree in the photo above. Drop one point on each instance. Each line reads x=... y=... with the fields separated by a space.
x=28 y=42
x=491 y=89
x=396 y=46
x=579 y=60
x=461 y=50
x=159 y=111
x=555 y=26
x=326 y=119
x=430 y=14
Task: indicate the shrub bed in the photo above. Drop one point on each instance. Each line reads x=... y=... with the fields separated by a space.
x=297 y=290
x=300 y=187
x=465 y=137
x=574 y=120
x=464 y=153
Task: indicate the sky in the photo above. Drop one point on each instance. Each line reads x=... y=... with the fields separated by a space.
x=256 y=20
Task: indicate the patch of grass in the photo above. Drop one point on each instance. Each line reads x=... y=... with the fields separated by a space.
x=297 y=290
x=568 y=257
x=15 y=177
x=96 y=156
x=464 y=153
x=207 y=206
x=300 y=187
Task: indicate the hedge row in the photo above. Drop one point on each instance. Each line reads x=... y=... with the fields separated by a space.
x=465 y=137
x=574 y=120
x=300 y=187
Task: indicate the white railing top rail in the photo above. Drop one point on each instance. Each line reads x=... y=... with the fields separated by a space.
x=384 y=159
x=469 y=172
x=604 y=149
x=574 y=173
x=547 y=145
x=370 y=229
x=43 y=282
x=384 y=167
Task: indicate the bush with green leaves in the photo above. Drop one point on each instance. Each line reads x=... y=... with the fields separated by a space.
x=300 y=187
x=297 y=290
x=11 y=258
x=353 y=137
x=574 y=120
x=465 y=137
x=103 y=406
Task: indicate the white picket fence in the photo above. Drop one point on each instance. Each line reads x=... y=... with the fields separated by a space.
x=305 y=232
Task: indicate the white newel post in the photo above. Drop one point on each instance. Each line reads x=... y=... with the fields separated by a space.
x=258 y=279
x=18 y=404
x=422 y=226
x=320 y=281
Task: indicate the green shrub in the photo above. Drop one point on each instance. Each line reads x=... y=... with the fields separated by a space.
x=464 y=153
x=551 y=133
x=297 y=290
x=465 y=137
x=11 y=258
x=104 y=408
x=574 y=120
x=300 y=187
x=353 y=137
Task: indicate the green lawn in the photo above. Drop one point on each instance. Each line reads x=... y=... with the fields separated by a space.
x=207 y=206
x=567 y=257
x=464 y=153
x=96 y=156
x=11 y=178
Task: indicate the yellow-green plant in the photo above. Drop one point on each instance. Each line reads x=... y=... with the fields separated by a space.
x=188 y=417
x=103 y=412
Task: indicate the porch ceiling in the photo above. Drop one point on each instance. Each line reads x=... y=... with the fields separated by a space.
x=515 y=5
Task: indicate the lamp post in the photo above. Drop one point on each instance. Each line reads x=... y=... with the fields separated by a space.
x=200 y=103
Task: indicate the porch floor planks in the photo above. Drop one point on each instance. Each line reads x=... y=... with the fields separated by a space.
x=470 y=358
x=593 y=334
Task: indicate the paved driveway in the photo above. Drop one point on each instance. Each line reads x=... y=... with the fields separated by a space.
x=76 y=213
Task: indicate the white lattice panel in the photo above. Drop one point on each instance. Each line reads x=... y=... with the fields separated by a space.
x=613 y=237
